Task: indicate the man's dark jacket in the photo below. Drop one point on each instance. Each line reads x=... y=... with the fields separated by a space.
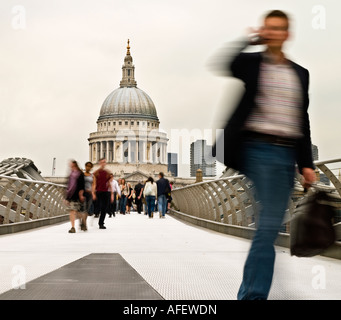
x=246 y=67
x=162 y=186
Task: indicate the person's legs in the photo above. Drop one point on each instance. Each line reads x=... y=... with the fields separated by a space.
x=272 y=170
x=152 y=205
x=118 y=205
x=96 y=207
x=122 y=204
x=73 y=218
x=128 y=206
x=162 y=204
x=102 y=198
x=113 y=205
x=149 y=206
x=86 y=209
x=84 y=217
x=159 y=205
x=138 y=205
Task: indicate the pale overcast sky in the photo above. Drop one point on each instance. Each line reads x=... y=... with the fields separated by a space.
x=60 y=59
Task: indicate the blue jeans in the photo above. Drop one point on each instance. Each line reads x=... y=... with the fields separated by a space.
x=162 y=203
x=123 y=203
x=272 y=170
x=150 y=204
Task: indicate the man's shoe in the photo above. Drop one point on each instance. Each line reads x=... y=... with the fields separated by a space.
x=102 y=227
x=72 y=230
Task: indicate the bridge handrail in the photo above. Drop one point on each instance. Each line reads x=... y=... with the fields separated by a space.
x=28 y=180
x=230 y=200
x=24 y=200
x=237 y=176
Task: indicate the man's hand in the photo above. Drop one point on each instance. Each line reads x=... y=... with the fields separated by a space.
x=309 y=176
x=256 y=36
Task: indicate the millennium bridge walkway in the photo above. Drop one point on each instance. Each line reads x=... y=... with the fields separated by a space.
x=196 y=253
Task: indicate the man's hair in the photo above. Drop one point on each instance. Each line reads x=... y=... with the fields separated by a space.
x=277 y=14
x=161 y=174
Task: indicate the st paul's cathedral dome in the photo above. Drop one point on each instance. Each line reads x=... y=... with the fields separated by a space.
x=128 y=135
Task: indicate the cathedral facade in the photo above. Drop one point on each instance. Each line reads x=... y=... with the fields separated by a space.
x=128 y=134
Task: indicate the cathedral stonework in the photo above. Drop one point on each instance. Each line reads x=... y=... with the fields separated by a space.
x=128 y=134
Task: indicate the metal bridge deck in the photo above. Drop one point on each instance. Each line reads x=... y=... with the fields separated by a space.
x=151 y=258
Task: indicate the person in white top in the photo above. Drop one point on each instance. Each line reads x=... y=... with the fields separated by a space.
x=150 y=194
x=115 y=192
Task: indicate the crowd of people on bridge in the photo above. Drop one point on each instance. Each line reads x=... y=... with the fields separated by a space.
x=98 y=193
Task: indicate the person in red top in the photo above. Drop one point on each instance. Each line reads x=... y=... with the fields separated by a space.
x=101 y=191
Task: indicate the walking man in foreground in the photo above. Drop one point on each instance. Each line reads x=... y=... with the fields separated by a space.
x=266 y=135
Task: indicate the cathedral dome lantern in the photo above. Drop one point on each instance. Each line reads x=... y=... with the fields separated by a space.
x=128 y=70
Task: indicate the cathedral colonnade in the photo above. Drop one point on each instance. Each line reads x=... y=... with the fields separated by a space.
x=129 y=149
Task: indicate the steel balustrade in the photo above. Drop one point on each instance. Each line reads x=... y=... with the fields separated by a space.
x=26 y=200
x=230 y=200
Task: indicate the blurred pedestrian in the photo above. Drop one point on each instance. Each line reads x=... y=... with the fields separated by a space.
x=118 y=198
x=115 y=194
x=139 y=196
x=75 y=193
x=267 y=133
x=88 y=208
x=169 y=196
x=130 y=193
x=124 y=193
x=101 y=191
x=163 y=188
x=150 y=194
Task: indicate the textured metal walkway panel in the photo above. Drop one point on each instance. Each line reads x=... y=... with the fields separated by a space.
x=94 y=277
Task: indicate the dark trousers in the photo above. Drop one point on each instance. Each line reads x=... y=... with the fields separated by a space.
x=123 y=203
x=138 y=205
x=112 y=206
x=102 y=205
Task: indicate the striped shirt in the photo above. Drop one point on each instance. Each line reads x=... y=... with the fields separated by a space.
x=278 y=101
